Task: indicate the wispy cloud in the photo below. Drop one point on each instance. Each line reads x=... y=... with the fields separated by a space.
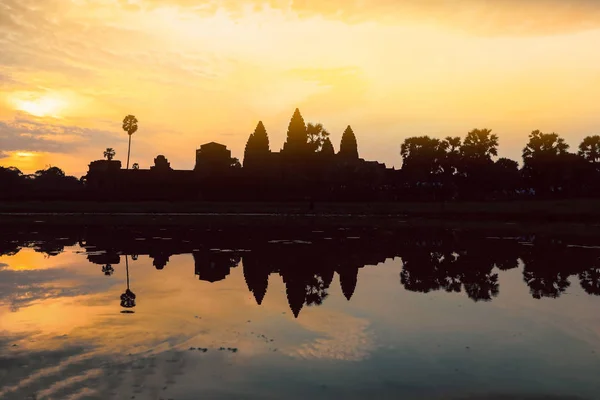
x=23 y=133
x=485 y=17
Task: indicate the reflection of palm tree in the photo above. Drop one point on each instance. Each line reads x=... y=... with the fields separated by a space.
x=108 y=269
x=127 y=298
x=316 y=290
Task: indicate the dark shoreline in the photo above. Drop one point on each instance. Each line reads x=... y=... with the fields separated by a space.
x=564 y=217
x=576 y=210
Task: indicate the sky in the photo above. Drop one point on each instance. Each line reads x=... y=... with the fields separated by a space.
x=195 y=71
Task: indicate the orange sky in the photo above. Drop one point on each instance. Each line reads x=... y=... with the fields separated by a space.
x=194 y=71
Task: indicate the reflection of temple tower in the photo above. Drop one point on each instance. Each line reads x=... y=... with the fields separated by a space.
x=296 y=294
x=348 y=279
x=107 y=257
x=214 y=266
x=160 y=260
x=257 y=278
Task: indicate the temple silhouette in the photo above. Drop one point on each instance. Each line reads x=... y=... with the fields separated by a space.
x=308 y=168
x=305 y=168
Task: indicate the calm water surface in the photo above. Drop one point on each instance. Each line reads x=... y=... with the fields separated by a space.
x=303 y=313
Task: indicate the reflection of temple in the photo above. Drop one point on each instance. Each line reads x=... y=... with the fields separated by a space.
x=439 y=260
x=213 y=266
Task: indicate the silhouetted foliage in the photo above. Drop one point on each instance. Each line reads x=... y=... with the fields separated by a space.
x=546 y=162
x=317 y=135
x=109 y=153
x=422 y=157
x=235 y=163
x=589 y=149
x=135 y=166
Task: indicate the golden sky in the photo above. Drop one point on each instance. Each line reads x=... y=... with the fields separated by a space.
x=194 y=71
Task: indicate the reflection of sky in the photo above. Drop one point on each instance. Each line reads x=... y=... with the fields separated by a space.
x=63 y=336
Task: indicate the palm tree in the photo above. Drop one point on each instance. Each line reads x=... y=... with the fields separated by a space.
x=109 y=153
x=130 y=126
x=135 y=166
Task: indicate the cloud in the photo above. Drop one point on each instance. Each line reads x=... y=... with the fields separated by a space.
x=482 y=17
x=4 y=154
x=23 y=133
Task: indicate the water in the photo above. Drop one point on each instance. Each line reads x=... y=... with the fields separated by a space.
x=300 y=313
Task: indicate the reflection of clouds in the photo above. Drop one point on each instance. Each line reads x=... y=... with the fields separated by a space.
x=344 y=338
x=21 y=288
x=66 y=368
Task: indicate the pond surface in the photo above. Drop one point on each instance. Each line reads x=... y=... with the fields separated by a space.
x=254 y=313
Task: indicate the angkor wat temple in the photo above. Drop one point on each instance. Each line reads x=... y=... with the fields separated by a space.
x=306 y=168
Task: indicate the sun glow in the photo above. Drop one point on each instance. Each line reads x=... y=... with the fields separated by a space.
x=24 y=154
x=43 y=106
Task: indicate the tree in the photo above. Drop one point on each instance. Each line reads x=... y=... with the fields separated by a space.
x=109 y=153
x=235 y=163
x=130 y=125
x=297 y=138
x=316 y=136
x=135 y=166
x=506 y=175
x=50 y=172
x=348 y=145
x=422 y=157
x=543 y=146
x=589 y=149
x=450 y=163
x=257 y=147
x=476 y=162
x=544 y=157
x=480 y=144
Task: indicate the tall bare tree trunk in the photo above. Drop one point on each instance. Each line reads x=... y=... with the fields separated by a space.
x=127 y=264
x=128 y=151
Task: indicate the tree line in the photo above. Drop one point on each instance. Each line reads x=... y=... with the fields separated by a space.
x=466 y=168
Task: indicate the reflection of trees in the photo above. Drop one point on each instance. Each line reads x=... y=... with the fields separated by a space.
x=419 y=271
x=316 y=290
x=481 y=285
x=590 y=278
x=547 y=269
